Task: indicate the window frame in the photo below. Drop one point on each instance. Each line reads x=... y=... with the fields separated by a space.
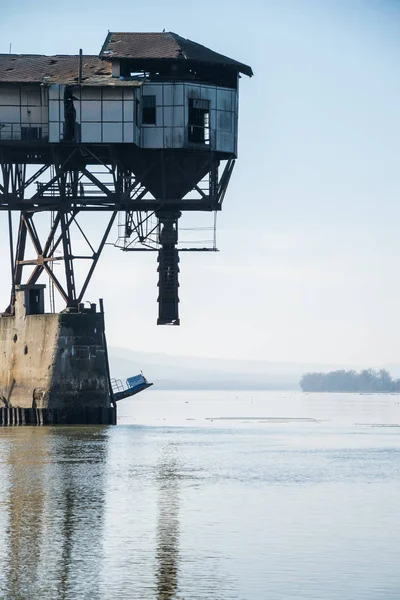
x=205 y=126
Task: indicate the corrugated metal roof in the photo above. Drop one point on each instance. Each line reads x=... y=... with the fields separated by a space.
x=165 y=45
x=36 y=68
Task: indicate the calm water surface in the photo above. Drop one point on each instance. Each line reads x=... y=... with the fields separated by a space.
x=203 y=495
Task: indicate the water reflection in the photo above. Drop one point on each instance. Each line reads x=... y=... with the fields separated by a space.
x=25 y=460
x=167 y=552
x=55 y=512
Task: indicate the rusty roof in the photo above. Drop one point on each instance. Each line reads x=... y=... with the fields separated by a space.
x=165 y=45
x=36 y=68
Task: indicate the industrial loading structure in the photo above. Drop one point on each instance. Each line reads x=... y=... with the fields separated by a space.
x=142 y=134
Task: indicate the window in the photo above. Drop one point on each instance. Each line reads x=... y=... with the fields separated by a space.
x=199 y=121
x=31 y=133
x=148 y=110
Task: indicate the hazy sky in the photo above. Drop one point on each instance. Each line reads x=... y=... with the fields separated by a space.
x=308 y=268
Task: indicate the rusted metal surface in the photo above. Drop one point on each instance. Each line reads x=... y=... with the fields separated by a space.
x=164 y=45
x=37 y=68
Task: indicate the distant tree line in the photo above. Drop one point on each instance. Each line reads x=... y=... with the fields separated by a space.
x=350 y=381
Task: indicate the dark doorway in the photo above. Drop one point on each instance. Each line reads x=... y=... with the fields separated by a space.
x=35 y=302
x=69 y=116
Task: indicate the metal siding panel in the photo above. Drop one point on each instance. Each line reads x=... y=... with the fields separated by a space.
x=91 y=110
x=54 y=93
x=168 y=116
x=167 y=94
x=159 y=116
x=112 y=93
x=209 y=93
x=225 y=121
x=128 y=133
x=173 y=94
x=136 y=135
x=30 y=95
x=178 y=140
x=128 y=110
x=153 y=89
x=91 y=132
x=112 y=110
x=167 y=137
x=225 y=142
x=173 y=116
x=89 y=93
x=192 y=91
x=9 y=95
x=54 y=110
x=178 y=94
x=152 y=137
x=54 y=132
x=10 y=114
x=179 y=116
x=112 y=132
x=224 y=100
x=128 y=93
x=31 y=114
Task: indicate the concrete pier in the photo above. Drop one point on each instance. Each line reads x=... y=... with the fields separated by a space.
x=53 y=367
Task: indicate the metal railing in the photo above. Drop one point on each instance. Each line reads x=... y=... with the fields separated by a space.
x=117 y=385
x=15 y=132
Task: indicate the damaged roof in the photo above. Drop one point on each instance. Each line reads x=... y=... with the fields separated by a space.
x=36 y=68
x=164 y=46
x=96 y=70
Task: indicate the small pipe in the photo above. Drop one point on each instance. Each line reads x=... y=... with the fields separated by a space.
x=80 y=67
x=10 y=233
x=110 y=391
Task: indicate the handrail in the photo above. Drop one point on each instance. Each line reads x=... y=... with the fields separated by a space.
x=10 y=131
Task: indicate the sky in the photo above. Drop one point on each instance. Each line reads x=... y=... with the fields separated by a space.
x=308 y=236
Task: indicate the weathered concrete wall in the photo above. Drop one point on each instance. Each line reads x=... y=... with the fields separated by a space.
x=28 y=347
x=54 y=362
x=80 y=370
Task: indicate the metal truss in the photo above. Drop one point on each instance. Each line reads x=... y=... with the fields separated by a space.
x=80 y=179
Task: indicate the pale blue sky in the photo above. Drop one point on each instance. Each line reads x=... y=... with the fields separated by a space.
x=309 y=239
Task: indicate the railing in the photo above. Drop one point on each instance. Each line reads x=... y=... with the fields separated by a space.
x=23 y=131
x=132 y=386
x=117 y=385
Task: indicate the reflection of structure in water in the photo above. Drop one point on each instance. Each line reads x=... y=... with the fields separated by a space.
x=168 y=526
x=26 y=457
x=55 y=507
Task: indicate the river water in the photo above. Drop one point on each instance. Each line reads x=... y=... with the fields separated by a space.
x=207 y=495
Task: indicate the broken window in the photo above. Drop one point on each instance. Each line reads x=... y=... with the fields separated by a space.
x=199 y=121
x=148 y=110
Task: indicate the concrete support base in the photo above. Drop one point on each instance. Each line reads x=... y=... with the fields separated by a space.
x=53 y=368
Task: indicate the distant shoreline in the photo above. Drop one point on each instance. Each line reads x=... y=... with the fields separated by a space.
x=351 y=392
x=367 y=381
